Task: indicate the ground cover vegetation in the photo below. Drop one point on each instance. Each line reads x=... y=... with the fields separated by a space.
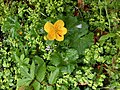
x=59 y=45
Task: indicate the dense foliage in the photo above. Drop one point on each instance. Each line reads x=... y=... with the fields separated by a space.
x=87 y=59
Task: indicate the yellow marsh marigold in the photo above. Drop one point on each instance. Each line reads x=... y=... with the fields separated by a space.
x=56 y=31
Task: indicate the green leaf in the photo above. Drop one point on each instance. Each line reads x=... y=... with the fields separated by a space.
x=11 y=25
x=32 y=69
x=51 y=68
x=83 y=30
x=68 y=69
x=24 y=72
x=70 y=22
x=63 y=88
x=55 y=59
x=17 y=58
x=118 y=42
x=71 y=55
x=72 y=25
x=38 y=60
x=26 y=60
x=49 y=88
x=22 y=57
x=80 y=44
x=25 y=82
x=36 y=85
x=41 y=70
x=53 y=76
x=105 y=37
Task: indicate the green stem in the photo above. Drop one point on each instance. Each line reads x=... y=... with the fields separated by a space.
x=100 y=10
x=107 y=15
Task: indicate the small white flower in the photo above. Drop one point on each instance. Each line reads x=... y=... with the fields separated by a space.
x=79 y=26
x=47 y=48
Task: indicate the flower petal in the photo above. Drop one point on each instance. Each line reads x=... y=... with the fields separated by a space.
x=45 y=37
x=62 y=31
x=58 y=23
x=59 y=37
x=51 y=35
x=48 y=27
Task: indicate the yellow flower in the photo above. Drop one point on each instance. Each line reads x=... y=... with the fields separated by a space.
x=56 y=31
x=20 y=32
